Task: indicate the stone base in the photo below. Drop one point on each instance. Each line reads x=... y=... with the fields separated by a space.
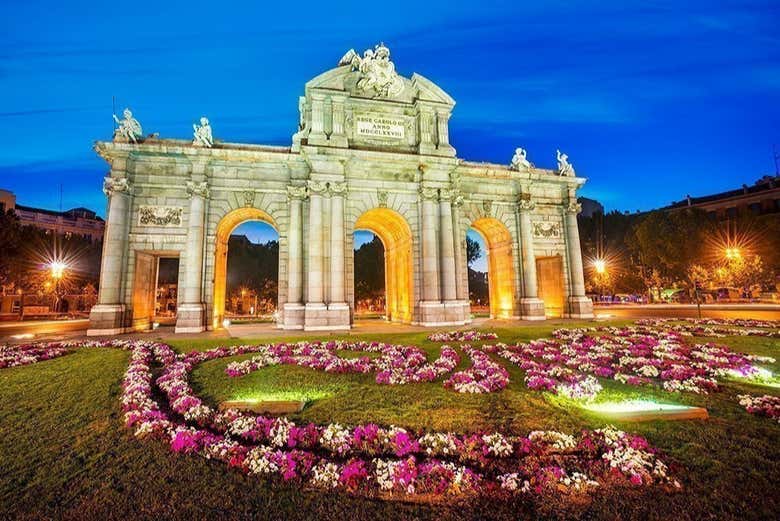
x=580 y=307
x=532 y=308
x=448 y=313
x=107 y=319
x=190 y=318
x=321 y=317
x=292 y=315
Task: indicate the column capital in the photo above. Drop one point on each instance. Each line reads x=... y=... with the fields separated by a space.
x=296 y=192
x=429 y=194
x=116 y=185
x=451 y=195
x=573 y=207
x=200 y=189
x=337 y=189
x=316 y=187
x=525 y=203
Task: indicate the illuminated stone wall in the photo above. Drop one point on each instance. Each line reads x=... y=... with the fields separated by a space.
x=359 y=160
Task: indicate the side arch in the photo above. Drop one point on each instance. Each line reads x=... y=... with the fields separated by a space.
x=396 y=236
x=501 y=271
x=225 y=227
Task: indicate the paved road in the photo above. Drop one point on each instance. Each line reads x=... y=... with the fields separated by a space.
x=59 y=329
x=43 y=328
x=756 y=311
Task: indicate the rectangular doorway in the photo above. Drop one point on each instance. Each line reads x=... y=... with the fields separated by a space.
x=549 y=280
x=155 y=290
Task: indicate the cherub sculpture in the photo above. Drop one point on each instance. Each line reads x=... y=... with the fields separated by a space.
x=564 y=167
x=520 y=160
x=129 y=129
x=202 y=134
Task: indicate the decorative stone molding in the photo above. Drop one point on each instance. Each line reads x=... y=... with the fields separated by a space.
x=114 y=185
x=546 y=230
x=200 y=189
x=249 y=198
x=524 y=202
x=381 y=197
x=431 y=194
x=574 y=207
x=487 y=207
x=337 y=188
x=296 y=192
x=316 y=187
x=168 y=216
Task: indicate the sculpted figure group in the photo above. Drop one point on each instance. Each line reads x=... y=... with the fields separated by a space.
x=129 y=129
x=520 y=162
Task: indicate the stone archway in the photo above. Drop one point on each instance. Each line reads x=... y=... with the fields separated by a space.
x=501 y=286
x=396 y=236
x=225 y=227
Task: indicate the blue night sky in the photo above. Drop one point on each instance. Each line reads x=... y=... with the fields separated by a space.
x=651 y=100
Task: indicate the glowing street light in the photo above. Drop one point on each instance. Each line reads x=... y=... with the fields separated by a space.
x=733 y=253
x=57 y=270
x=600 y=265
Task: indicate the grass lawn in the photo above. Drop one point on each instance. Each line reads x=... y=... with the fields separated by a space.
x=65 y=453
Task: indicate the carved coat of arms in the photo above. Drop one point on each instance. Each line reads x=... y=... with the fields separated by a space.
x=546 y=230
x=159 y=216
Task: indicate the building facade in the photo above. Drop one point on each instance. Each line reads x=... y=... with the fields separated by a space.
x=371 y=152
x=80 y=222
x=761 y=198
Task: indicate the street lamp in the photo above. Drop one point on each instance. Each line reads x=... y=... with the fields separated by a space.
x=600 y=265
x=733 y=253
x=57 y=272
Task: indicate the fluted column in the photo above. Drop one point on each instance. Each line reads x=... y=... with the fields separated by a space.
x=118 y=191
x=337 y=191
x=580 y=306
x=531 y=307
x=295 y=196
x=314 y=294
x=430 y=260
x=107 y=316
x=193 y=274
x=461 y=284
x=573 y=248
x=447 y=255
x=190 y=313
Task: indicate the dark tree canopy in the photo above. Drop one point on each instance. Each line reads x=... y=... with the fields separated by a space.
x=370 y=270
x=473 y=250
x=253 y=266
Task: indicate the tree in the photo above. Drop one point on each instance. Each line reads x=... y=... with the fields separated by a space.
x=10 y=241
x=473 y=251
x=370 y=270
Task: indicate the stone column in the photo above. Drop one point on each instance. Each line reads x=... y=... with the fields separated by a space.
x=315 y=311
x=462 y=290
x=447 y=256
x=107 y=317
x=337 y=191
x=293 y=307
x=580 y=306
x=430 y=260
x=190 y=313
x=531 y=306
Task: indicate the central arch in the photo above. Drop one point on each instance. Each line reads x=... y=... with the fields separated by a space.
x=501 y=280
x=396 y=236
x=225 y=227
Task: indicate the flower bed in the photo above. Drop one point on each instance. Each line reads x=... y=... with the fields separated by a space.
x=714 y=327
x=570 y=363
x=483 y=376
x=766 y=405
x=368 y=459
x=462 y=336
x=397 y=364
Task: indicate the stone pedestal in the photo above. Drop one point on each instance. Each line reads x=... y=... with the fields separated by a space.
x=293 y=315
x=532 y=308
x=580 y=307
x=190 y=318
x=450 y=313
x=107 y=319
